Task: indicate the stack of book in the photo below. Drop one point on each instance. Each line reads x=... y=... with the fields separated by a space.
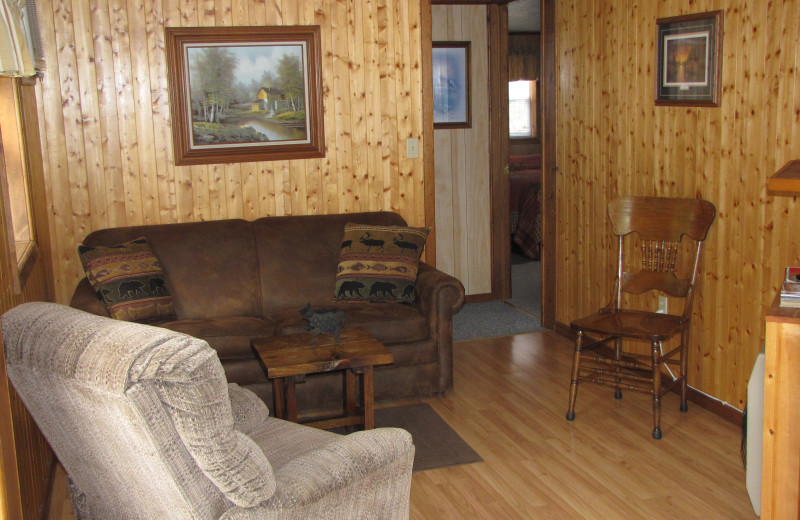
x=790 y=289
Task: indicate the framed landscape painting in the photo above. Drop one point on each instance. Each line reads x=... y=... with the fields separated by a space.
x=689 y=55
x=451 y=95
x=243 y=94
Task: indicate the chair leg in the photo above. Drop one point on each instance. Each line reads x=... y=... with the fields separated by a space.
x=656 y=390
x=684 y=368
x=573 y=387
x=617 y=357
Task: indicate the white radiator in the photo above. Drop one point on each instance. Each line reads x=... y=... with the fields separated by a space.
x=755 y=432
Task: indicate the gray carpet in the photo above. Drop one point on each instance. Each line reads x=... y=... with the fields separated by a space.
x=491 y=319
x=518 y=315
x=526 y=285
x=437 y=445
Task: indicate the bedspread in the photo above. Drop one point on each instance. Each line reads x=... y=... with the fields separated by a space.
x=525 y=204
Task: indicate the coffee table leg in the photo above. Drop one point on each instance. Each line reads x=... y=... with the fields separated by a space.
x=369 y=405
x=349 y=393
x=291 y=400
x=278 y=398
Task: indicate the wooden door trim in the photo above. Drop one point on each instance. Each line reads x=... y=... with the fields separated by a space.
x=429 y=172
x=549 y=163
x=500 y=184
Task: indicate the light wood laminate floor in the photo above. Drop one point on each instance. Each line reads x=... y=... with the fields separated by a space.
x=509 y=403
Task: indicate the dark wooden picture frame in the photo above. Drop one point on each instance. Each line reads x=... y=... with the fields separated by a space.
x=689 y=59
x=245 y=94
x=451 y=85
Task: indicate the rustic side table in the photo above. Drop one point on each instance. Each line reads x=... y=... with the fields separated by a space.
x=287 y=357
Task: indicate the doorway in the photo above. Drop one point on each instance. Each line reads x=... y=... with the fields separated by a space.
x=546 y=279
x=525 y=152
x=498 y=216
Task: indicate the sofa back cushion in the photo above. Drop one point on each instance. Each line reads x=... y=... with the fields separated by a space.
x=298 y=255
x=211 y=268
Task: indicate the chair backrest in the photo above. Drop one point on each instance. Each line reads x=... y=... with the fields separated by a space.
x=139 y=416
x=659 y=224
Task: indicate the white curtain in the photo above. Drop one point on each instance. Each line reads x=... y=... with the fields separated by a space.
x=15 y=54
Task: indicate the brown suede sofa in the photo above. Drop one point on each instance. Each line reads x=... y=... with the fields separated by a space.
x=233 y=280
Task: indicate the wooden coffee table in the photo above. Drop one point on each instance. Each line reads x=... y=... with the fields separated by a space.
x=286 y=358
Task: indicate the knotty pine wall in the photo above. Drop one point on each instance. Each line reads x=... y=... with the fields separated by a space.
x=612 y=140
x=104 y=111
x=461 y=161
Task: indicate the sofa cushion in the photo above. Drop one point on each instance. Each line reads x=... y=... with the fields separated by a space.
x=211 y=267
x=379 y=263
x=390 y=322
x=129 y=279
x=228 y=335
x=310 y=245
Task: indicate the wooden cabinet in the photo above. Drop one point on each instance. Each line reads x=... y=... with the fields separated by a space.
x=781 y=453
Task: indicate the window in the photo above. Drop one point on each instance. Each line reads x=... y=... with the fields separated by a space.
x=14 y=188
x=522 y=120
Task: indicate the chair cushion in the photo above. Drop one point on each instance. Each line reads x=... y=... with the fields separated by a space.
x=129 y=279
x=379 y=263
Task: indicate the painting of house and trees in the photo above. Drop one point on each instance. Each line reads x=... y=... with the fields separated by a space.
x=246 y=94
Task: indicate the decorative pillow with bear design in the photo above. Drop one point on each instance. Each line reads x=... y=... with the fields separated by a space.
x=379 y=263
x=129 y=280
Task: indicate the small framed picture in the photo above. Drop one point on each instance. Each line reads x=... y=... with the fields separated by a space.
x=451 y=95
x=689 y=55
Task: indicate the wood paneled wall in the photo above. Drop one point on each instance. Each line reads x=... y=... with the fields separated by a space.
x=612 y=140
x=104 y=112
x=461 y=158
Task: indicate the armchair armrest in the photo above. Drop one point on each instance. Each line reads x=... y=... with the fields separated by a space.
x=248 y=410
x=85 y=298
x=439 y=296
x=364 y=472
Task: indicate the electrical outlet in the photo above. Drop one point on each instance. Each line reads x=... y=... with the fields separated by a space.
x=662 y=304
x=412 y=147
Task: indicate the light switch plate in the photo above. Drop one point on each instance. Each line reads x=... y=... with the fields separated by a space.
x=412 y=148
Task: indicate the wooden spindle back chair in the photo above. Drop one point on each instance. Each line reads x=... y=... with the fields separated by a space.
x=659 y=224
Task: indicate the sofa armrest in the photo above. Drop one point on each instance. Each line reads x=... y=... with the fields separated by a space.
x=353 y=475
x=85 y=298
x=439 y=296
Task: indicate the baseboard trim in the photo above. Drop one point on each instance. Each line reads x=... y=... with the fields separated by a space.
x=478 y=298
x=703 y=400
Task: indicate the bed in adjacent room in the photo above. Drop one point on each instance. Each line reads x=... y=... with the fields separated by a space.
x=525 y=204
